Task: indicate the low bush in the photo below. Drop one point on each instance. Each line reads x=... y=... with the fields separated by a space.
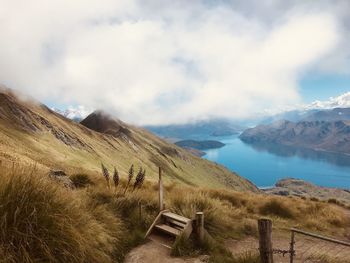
x=334 y=201
x=276 y=207
x=81 y=180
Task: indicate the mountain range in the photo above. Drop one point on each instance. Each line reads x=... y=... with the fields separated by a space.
x=31 y=133
x=319 y=135
x=197 y=130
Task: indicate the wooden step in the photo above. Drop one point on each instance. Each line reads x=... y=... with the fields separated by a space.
x=177 y=224
x=176 y=217
x=168 y=229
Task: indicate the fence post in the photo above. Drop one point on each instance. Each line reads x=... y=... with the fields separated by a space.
x=140 y=210
x=265 y=240
x=292 y=242
x=160 y=185
x=200 y=226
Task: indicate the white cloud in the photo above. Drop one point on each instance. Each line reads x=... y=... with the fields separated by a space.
x=161 y=63
x=342 y=101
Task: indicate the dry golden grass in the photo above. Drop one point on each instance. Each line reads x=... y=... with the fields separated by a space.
x=42 y=221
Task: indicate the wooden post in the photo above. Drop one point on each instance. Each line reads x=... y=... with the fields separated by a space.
x=140 y=210
x=265 y=240
x=160 y=185
x=292 y=242
x=200 y=226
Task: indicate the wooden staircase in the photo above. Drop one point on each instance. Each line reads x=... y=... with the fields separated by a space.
x=168 y=223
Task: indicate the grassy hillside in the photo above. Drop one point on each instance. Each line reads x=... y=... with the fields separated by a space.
x=32 y=133
x=43 y=221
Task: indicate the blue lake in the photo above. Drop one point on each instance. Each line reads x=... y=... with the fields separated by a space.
x=265 y=164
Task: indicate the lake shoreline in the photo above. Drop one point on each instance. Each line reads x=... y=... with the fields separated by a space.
x=265 y=165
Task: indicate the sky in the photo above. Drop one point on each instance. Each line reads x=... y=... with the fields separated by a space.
x=163 y=62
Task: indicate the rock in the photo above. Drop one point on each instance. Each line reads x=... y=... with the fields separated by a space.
x=300 y=188
x=62 y=178
x=283 y=193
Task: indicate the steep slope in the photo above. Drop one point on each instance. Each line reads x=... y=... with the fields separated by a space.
x=32 y=133
x=319 y=135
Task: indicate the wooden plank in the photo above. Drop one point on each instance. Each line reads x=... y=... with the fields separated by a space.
x=187 y=230
x=156 y=221
x=168 y=229
x=321 y=237
x=175 y=222
x=177 y=217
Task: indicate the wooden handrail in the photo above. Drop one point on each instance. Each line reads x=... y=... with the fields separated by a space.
x=320 y=237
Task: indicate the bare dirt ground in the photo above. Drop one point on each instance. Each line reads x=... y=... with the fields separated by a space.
x=153 y=252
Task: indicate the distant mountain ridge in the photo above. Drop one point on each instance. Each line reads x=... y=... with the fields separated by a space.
x=320 y=135
x=336 y=114
x=310 y=111
x=200 y=129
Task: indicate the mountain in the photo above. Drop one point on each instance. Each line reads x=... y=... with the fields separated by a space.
x=294 y=115
x=32 y=133
x=200 y=145
x=74 y=113
x=335 y=108
x=337 y=114
x=104 y=123
x=201 y=129
x=319 y=135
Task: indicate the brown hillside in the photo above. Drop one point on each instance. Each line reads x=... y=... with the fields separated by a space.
x=32 y=133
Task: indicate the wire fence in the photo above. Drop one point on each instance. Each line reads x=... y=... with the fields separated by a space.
x=313 y=248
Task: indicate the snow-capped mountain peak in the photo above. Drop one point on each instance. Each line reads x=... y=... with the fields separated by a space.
x=74 y=113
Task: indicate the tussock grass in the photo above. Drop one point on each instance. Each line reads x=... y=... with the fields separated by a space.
x=42 y=221
x=81 y=180
x=276 y=207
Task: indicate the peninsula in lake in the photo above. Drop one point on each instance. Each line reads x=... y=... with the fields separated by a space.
x=200 y=145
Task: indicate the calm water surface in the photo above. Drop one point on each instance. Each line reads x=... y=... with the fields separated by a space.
x=266 y=164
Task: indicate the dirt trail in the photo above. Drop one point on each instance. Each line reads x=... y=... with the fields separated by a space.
x=153 y=252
